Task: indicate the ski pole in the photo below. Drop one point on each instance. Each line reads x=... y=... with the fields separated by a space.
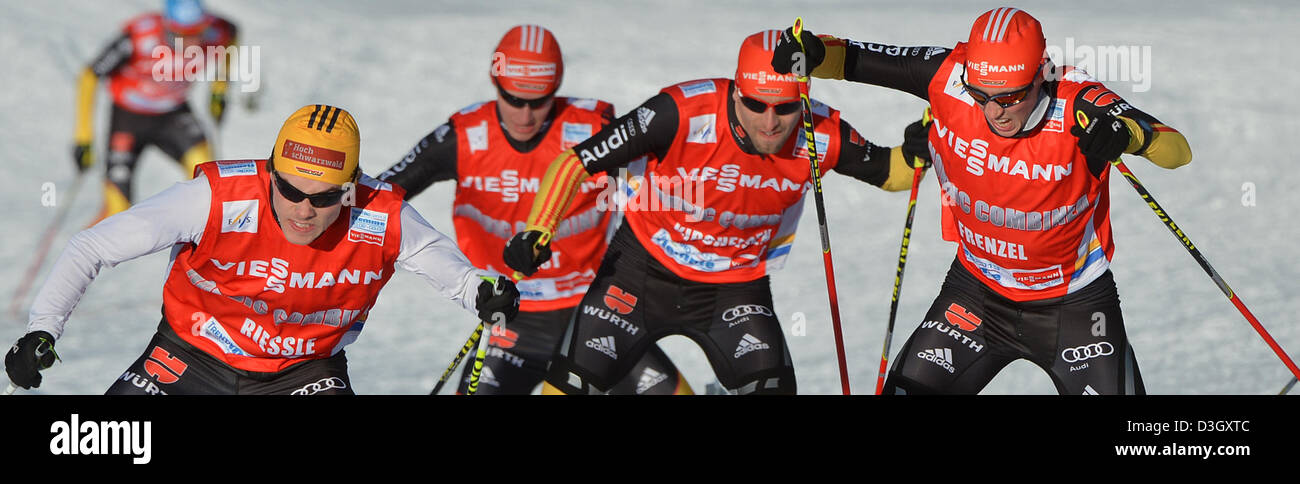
x=481 y=354
x=470 y=345
x=1196 y=254
x=477 y=370
x=821 y=208
x=47 y=240
x=919 y=166
x=1287 y=389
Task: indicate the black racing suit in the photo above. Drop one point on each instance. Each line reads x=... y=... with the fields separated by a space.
x=970 y=332
x=516 y=362
x=734 y=324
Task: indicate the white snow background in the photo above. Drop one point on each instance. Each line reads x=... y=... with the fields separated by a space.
x=1222 y=73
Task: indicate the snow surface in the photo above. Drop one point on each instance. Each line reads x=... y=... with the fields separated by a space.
x=1223 y=73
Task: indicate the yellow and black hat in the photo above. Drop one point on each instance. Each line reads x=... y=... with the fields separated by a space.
x=319 y=142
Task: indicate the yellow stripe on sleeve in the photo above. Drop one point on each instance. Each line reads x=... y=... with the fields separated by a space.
x=558 y=188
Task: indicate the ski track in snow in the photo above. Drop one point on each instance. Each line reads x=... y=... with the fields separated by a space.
x=1221 y=73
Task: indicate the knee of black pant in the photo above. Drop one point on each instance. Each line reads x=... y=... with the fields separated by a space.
x=897 y=384
x=500 y=376
x=1111 y=374
x=1134 y=384
x=570 y=382
x=779 y=381
x=654 y=374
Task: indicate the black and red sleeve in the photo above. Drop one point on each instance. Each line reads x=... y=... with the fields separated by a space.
x=114 y=56
x=907 y=69
x=860 y=158
x=650 y=128
x=431 y=160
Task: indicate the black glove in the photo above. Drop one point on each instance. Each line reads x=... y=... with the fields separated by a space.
x=916 y=143
x=519 y=253
x=83 y=156
x=26 y=358
x=217 y=106
x=498 y=300
x=1105 y=138
x=783 y=57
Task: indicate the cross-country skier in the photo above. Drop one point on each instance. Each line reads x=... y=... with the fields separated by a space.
x=1021 y=149
x=147 y=110
x=714 y=211
x=275 y=267
x=497 y=152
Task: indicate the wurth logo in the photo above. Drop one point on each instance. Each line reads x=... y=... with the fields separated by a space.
x=956 y=334
x=938 y=356
x=603 y=344
x=748 y=344
x=164 y=367
x=961 y=318
x=502 y=337
x=619 y=300
x=612 y=318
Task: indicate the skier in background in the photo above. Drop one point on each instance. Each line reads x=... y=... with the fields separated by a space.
x=714 y=212
x=496 y=152
x=1022 y=150
x=148 y=111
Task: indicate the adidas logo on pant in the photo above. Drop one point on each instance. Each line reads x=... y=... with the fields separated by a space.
x=938 y=356
x=749 y=343
x=649 y=378
x=487 y=378
x=603 y=344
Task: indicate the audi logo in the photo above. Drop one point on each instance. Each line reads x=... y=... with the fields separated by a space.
x=320 y=386
x=745 y=310
x=1080 y=353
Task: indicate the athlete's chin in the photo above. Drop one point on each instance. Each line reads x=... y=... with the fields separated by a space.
x=1005 y=129
x=768 y=145
x=523 y=132
x=298 y=236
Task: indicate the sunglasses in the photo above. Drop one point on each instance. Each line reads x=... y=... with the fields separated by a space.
x=1006 y=99
x=760 y=106
x=519 y=102
x=318 y=200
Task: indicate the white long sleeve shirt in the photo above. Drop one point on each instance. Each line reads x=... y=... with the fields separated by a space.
x=179 y=215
